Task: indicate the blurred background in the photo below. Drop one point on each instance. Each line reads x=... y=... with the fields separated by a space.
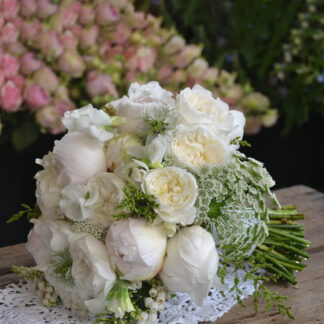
x=263 y=57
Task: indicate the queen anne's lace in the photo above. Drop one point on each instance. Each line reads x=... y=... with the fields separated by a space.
x=19 y=304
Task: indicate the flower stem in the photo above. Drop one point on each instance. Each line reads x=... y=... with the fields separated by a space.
x=292 y=237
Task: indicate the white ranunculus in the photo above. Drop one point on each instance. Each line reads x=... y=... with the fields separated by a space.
x=197 y=146
x=91 y=271
x=191 y=263
x=48 y=187
x=78 y=158
x=107 y=191
x=153 y=151
x=116 y=149
x=176 y=191
x=198 y=106
x=142 y=101
x=89 y=120
x=136 y=248
x=77 y=203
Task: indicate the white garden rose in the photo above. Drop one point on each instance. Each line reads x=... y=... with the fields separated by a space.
x=198 y=106
x=78 y=158
x=91 y=271
x=89 y=120
x=176 y=191
x=48 y=187
x=116 y=152
x=136 y=248
x=197 y=146
x=191 y=263
x=142 y=101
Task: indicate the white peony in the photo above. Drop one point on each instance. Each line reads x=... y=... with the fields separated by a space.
x=176 y=191
x=197 y=146
x=136 y=248
x=91 y=270
x=78 y=158
x=142 y=101
x=191 y=263
x=89 y=120
x=197 y=106
x=48 y=187
x=116 y=153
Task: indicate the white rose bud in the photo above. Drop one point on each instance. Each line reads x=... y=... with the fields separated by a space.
x=136 y=248
x=198 y=146
x=91 y=271
x=176 y=191
x=191 y=263
x=78 y=158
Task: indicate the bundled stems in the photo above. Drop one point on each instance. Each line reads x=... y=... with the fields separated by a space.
x=283 y=250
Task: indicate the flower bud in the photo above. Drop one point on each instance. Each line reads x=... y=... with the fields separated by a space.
x=98 y=84
x=255 y=101
x=45 y=8
x=10 y=9
x=89 y=36
x=50 y=44
x=69 y=14
x=71 y=63
x=10 y=97
x=69 y=40
x=30 y=30
x=106 y=14
x=9 y=33
x=36 y=97
x=10 y=65
x=121 y=33
x=19 y=82
x=46 y=78
x=86 y=15
x=28 y=63
x=48 y=117
x=175 y=44
x=28 y=7
x=186 y=56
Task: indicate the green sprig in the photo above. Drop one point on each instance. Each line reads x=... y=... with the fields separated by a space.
x=137 y=204
x=61 y=266
x=27 y=212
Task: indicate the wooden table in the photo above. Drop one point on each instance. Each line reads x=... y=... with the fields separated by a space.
x=306 y=298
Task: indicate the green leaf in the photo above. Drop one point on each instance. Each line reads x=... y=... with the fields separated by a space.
x=24 y=135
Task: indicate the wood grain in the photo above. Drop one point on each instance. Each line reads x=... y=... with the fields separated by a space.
x=306 y=298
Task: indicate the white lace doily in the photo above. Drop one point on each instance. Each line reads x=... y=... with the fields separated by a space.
x=19 y=304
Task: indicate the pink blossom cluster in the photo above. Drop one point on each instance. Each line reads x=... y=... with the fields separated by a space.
x=57 y=55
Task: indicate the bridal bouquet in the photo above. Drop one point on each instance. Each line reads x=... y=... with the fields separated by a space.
x=149 y=196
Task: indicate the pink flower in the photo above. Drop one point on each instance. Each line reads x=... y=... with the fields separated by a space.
x=28 y=63
x=9 y=33
x=76 y=30
x=69 y=40
x=165 y=71
x=50 y=44
x=28 y=7
x=186 y=56
x=99 y=84
x=10 y=97
x=253 y=125
x=2 y=20
x=16 y=49
x=10 y=65
x=45 y=8
x=106 y=14
x=29 y=31
x=138 y=20
x=19 y=82
x=46 y=78
x=179 y=76
x=71 y=63
x=89 y=36
x=69 y=15
x=48 y=117
x=63 y=105
x=143 y=60
x=9 y=8
x=86 y=15
x=62 y=92
x=121 y=33
x=2 y=78
x=37 y=97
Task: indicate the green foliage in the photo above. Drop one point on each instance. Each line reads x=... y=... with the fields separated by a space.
x=233 y=200
x=27 y=212
x=61 y=266
x=27 y=273
x=137 y=204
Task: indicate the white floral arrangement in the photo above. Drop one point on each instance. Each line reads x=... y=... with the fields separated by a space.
x=149 y=196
